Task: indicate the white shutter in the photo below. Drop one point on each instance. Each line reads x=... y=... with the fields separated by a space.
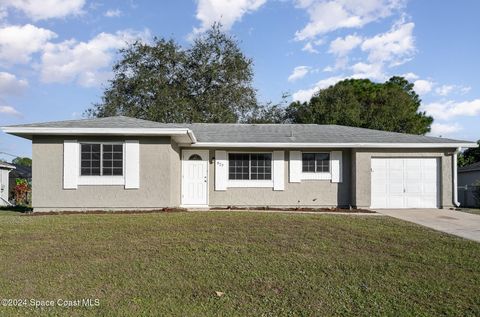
x=336 y=166
x=132 y=164
x=278 y=170
x=71 y=166
x=295 y=169
x=220 y=170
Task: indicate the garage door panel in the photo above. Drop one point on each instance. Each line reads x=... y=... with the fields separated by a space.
x=396 y=188
x=404 y=182
x=413 y=188
x=395 y=201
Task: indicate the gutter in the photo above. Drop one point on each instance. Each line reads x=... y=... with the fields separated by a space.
x=29 y=131
x=455 y=178
x=329 y=145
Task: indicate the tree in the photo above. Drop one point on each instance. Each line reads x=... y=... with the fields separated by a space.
x=390 y=106
x=469 y=156
x=23 y=161
x=269 y=112
x=209 y=82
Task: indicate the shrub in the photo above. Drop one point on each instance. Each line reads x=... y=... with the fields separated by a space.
x=21 y=191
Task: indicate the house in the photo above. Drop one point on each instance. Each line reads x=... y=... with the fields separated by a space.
x=4 y=188
x=468 y=182
x=119 y=163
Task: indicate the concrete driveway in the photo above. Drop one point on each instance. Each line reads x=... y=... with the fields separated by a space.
x=458 y=223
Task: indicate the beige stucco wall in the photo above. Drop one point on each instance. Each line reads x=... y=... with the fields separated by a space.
x=361 y=167
x=308 y=193
x=159 y=178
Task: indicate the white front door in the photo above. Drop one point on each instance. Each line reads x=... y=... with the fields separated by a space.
x=405 y=183
x=195 y=178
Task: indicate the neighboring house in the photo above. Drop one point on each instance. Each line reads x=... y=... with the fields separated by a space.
x=120 y=163
x=468 y=182
x=4 y=188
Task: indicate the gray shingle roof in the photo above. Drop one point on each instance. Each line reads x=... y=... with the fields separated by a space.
x=470 y=168
x=259 y=133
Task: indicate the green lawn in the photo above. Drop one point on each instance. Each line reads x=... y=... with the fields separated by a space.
x=266 y=264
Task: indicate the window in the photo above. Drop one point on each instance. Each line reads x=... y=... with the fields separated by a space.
x=194 y=157
x=101 y=159
x=315 y=162
x=254 y=166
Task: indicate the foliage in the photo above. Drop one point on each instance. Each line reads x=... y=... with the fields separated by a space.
x=390 y=106
x=265 y=264
x=209 y=82
x=20 y=191
x=469 y=156
x=23 y=161
x=269 y=112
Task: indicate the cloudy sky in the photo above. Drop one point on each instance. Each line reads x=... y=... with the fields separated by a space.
x=56 y=55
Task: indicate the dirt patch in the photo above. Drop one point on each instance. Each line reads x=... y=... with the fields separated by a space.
x=100 y=212
x=351 y=210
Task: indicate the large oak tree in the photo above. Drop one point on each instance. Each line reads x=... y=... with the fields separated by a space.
x=390 y=106
x=211 y=81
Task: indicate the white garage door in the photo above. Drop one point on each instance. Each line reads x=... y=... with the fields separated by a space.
x=405 y=183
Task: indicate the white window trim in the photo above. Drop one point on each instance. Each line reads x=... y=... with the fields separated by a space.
x=248 y=183
x=101 y=179
x=327 y=176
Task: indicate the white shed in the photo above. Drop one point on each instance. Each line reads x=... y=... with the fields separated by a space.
x=4 y=171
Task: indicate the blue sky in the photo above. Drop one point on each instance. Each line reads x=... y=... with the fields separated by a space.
x=56 y=56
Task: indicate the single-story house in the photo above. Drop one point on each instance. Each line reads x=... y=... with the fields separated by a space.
x=468 y=183
x=120 y=163
x=5 y=169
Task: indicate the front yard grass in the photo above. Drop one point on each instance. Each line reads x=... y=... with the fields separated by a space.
x=265 y=264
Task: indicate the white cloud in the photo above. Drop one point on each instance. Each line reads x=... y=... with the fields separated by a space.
x=372 y=71
x=226 y=12
x=343 y=46
x=9 y=110
x=395 y=46
x=113 y=13
x=305 y=94
x=44 y=9
x=464 y=90
x=85 y=62
x=309 y=48
x=444 y=90
x=329 y=15
x=10 y=85
x=449 y=109
x=410 y=76
x=18 y=43
x=422 y=86
x=442 y=129
x=298 y=73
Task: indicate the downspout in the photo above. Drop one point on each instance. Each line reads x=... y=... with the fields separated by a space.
x=455 y=182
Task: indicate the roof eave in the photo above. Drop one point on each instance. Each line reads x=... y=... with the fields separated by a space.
x=182 y=134
x=329 y=145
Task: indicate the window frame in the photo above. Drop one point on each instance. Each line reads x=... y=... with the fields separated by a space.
x=317 y=175
x=101 y=179
x=253 y=183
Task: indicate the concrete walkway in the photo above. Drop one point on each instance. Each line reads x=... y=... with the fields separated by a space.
x=458 y=223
